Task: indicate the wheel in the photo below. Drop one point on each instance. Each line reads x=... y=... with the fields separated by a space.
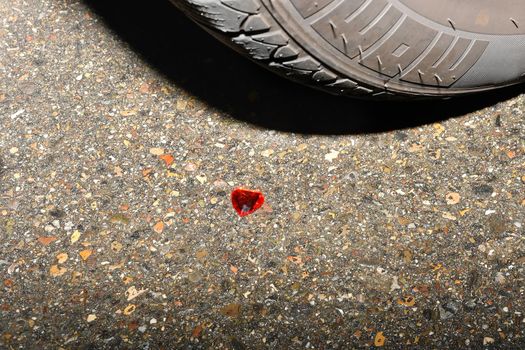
x=376 y=48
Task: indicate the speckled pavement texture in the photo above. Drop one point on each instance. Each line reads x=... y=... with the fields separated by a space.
x=124 y=128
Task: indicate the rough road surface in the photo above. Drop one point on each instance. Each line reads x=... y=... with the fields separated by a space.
x=123 y=132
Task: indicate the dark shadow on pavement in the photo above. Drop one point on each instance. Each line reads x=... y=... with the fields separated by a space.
x=205 y=68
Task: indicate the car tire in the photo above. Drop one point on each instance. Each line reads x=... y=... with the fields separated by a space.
x=376 y=48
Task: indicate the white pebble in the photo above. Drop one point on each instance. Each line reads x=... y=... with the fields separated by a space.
x=488 y=340
x=332 y=155
x=17 y=113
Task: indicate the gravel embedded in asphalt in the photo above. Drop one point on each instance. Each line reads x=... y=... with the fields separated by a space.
x=121 y=141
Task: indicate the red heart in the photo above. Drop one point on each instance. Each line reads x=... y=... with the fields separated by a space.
x=246 y=202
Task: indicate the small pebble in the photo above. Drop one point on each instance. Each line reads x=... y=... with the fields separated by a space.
x=488 y=340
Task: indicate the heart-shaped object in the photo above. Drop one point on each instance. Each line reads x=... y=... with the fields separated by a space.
x=245 y=201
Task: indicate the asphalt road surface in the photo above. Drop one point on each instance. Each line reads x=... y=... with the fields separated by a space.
x=123 y=130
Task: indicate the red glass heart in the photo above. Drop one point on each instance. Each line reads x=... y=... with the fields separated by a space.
x=246 y=202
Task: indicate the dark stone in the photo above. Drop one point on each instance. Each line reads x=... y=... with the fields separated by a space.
x=271 y=264
x=368 y=199
x=474 y=280
x=272 y=338
x=237 y=345
x=39 y=61
x=57 y=213
x=498 y=121
x=257 y=308
x=401 y=136
x=3 y=168
x=135 y=234
x=427 y=313
x=448 y=310
x=483 y=190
